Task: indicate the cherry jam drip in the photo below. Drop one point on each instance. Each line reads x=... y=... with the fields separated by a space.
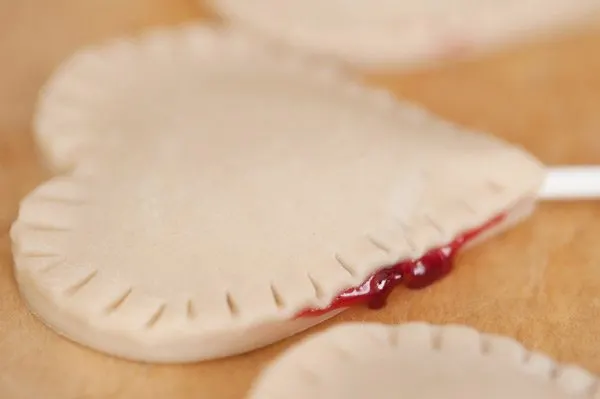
x=413 y=274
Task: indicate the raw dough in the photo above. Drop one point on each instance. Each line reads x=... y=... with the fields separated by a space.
x=391 y=33
x=216 y=189
x=417 y=361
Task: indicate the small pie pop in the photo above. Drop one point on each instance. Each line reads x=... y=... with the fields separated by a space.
x=222 y=197
x=383 y=34
x=417 y=361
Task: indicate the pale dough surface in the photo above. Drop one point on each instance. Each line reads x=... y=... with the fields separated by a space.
x=382 y=34
x=417 y=361
x=545 y=271
x=217 y=188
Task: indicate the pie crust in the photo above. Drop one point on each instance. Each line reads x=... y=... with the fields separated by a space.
x=418 y=360
x=213 y=189
x=382 y=34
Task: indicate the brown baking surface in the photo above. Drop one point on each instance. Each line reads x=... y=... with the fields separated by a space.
x=539 y=283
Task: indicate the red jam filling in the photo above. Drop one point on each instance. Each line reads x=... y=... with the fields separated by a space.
x=413 y=274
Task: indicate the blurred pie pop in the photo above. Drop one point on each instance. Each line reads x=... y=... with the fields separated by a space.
x=418 y=361
x=390 y=33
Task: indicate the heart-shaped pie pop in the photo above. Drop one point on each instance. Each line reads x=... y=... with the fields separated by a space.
x=418 y=361
x=391 y=33
x=221 y=196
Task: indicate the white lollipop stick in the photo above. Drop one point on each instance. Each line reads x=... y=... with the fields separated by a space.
x=571 y=183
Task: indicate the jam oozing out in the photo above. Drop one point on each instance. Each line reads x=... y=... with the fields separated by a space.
x=413 y=274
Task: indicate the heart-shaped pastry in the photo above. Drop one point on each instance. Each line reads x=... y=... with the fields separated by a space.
x=381 y=34
x=418 y=361
x=220 y=196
